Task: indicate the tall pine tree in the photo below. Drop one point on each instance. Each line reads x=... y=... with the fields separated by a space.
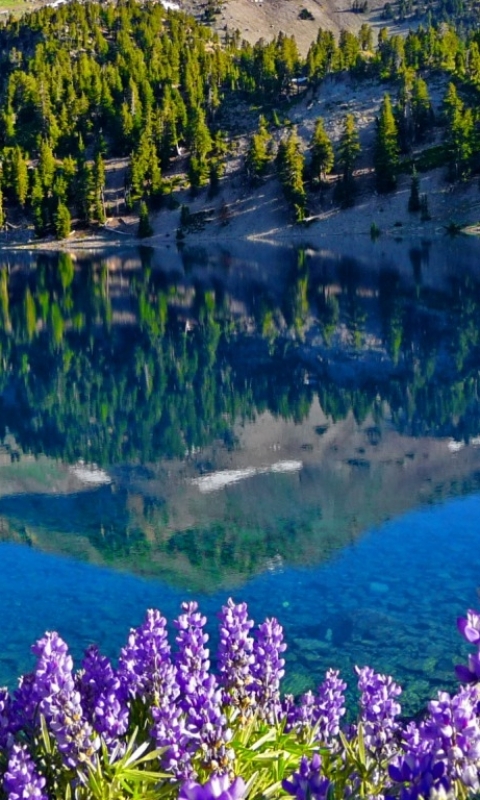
x=386 y=158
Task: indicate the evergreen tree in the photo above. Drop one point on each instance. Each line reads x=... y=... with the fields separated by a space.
x=291 y=162
x=98 y=187
x=19 y=175
x=46 y=165
x=322 y=152
x=348 y=151
x=37 y=201
x=386 y=159
x=459 y=134
x=258 y=154
x=422 y=111
x=144 y=227
x=62 y=222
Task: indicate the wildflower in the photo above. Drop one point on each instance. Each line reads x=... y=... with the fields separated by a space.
x=268 y=669
x=235 y=656
x=144 y=663
x=218 y=787
x=469 y=626
x=378 y=707
x=308 y=783
x=21 y=780
x=103 y=697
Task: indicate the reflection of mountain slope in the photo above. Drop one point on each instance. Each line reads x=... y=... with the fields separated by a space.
x=157 y=522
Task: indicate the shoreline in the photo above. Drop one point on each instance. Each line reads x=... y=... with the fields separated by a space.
x=262 y=216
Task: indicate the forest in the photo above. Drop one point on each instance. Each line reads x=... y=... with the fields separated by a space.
x=84 y=84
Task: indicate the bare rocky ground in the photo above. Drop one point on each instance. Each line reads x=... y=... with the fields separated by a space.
x=265 y=19
x=240 y=212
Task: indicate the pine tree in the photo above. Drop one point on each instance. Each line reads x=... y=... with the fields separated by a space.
x=291 y=162
x=46 y=165
x=98 y=186
x=348 y=152
x=322 y=152
x=258 y=154
x=144 y=227
x=62 y=222
x=19 y=176
x=422 y=111
x=459 y=134
x=386 y=159
x=37 y=201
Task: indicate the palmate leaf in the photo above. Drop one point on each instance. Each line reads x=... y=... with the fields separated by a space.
x=266 y=754
x=115 y=777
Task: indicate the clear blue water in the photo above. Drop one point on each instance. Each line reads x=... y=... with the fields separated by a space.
x=390 y=601
x=332 y=406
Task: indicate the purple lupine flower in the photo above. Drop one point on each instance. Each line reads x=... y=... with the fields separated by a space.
x=52 y=675
x=469 y=626
x=323 y=710
x=218 y=787
x=201 y=697
x=169 y=731
x=208 y=727
x=330 y=706
x=235 y=656
x=299 y=718
x=308 y=783
x=378 y=707
x=268 y=669
x=21 y=780
x=418 y=775
x=49 y=692
x=75 y=737
x=144 y=666
x=470 y=674
x=192 y=658
x=453 y=729
x=6 y=722
x=103 y=697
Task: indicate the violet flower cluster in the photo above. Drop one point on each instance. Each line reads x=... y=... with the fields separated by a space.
x=203 y=733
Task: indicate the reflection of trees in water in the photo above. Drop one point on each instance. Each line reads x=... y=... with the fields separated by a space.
x=137 y=366
x=119 y=367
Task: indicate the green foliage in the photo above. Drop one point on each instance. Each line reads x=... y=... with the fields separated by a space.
x=134 y=773
x=258 y=155
x=83 y=86
x=290 y=163
x=62 y=222
x=459 y=136
x=348 y=152
x=144 y=227
x=386 y=157
x=322 y=155
x=431 y=158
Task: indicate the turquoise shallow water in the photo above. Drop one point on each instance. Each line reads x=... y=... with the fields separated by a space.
x=390 y=600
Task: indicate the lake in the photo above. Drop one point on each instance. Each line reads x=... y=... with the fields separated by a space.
x=296 y=427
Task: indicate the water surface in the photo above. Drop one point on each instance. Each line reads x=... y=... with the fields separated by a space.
x=297 y=428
